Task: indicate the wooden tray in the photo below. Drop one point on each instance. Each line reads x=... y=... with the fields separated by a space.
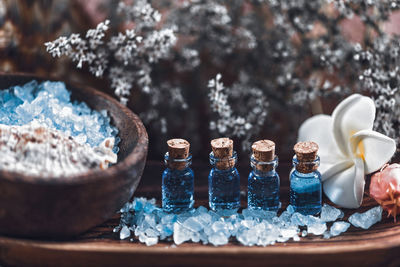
x=379 y=245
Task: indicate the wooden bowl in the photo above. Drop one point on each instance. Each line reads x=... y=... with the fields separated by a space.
x=61 y=208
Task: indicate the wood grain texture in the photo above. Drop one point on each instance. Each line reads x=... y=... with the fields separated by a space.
x=378 y=246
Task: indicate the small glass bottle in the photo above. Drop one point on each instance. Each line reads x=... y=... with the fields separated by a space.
x=224 y=179
x=263 y=182
x=177 y=178
x=305 y=180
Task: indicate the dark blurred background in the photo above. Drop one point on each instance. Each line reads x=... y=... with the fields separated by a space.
x=26 y=25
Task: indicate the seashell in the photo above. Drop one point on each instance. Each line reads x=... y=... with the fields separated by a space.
x=34 y=149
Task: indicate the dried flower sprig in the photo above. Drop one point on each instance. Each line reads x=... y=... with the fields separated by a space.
x=234 y=120
x=126 y=58
x=292 y=53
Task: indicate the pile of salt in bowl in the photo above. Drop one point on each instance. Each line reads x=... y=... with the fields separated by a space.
x=43 y=132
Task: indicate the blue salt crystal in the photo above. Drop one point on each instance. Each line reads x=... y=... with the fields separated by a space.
x=138 y=204
x=25 y=93
x=49 y=103
x=148 y=207
x=57 y=89
x=169 y=218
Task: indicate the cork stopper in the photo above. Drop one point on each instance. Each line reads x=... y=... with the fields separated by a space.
x=223 y=150
x=306 y=153
x=264 y=151
x=178 y=149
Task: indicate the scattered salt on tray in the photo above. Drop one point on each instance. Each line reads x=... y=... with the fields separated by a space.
x=44 y=133
x=339 y=227
x=150 y=224
x=367 y=219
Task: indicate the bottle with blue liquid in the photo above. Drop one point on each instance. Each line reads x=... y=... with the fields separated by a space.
x=305 y=180
x=223 y=180
x=263 y=182
x=177 y=178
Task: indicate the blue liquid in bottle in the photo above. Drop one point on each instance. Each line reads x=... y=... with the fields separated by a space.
x=224 y=185
x=263 y=186
x=306 y=189
x=177 y=186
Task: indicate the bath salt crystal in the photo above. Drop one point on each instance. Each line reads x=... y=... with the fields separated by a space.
x=289 y=232
x=330 y=214
x=151 y=224
x=181 y=234
x=326 y=235
x=125 y=233
x=316 y=229
x=49 y=103
x=367 y=219
x=193 y=224
x=151 y=241
x=218 y=239
x=339 y=227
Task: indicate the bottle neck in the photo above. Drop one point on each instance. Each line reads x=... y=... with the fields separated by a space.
x=264 y=168
x=306 y=166
x=177 y=164
x=227 y=163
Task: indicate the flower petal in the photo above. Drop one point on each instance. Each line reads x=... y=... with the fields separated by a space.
x=353 y=114
x=375 y=148
x=346 y=188
x=319 y=129
x=329 y=170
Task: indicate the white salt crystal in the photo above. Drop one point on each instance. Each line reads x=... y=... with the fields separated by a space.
x=327 y=235
x=317 y=229
x=299 y=219
x=247 y=237
x=151 y=232
x=181 y=234
x=125 y=232
x=330 y=214
x=193 y=224
x=151 y=241
x=339 y=227
x=220 y=226
x=195 y=237
x=289 y=232
x=304 y=233
x=367 y=219
x=218 y=239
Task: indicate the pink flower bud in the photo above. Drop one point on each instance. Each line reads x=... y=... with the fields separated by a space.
x=385 y=188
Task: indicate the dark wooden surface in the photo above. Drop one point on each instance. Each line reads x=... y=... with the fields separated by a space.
x=378 y=246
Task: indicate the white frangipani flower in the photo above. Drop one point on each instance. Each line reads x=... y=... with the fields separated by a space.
x=348 y=147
